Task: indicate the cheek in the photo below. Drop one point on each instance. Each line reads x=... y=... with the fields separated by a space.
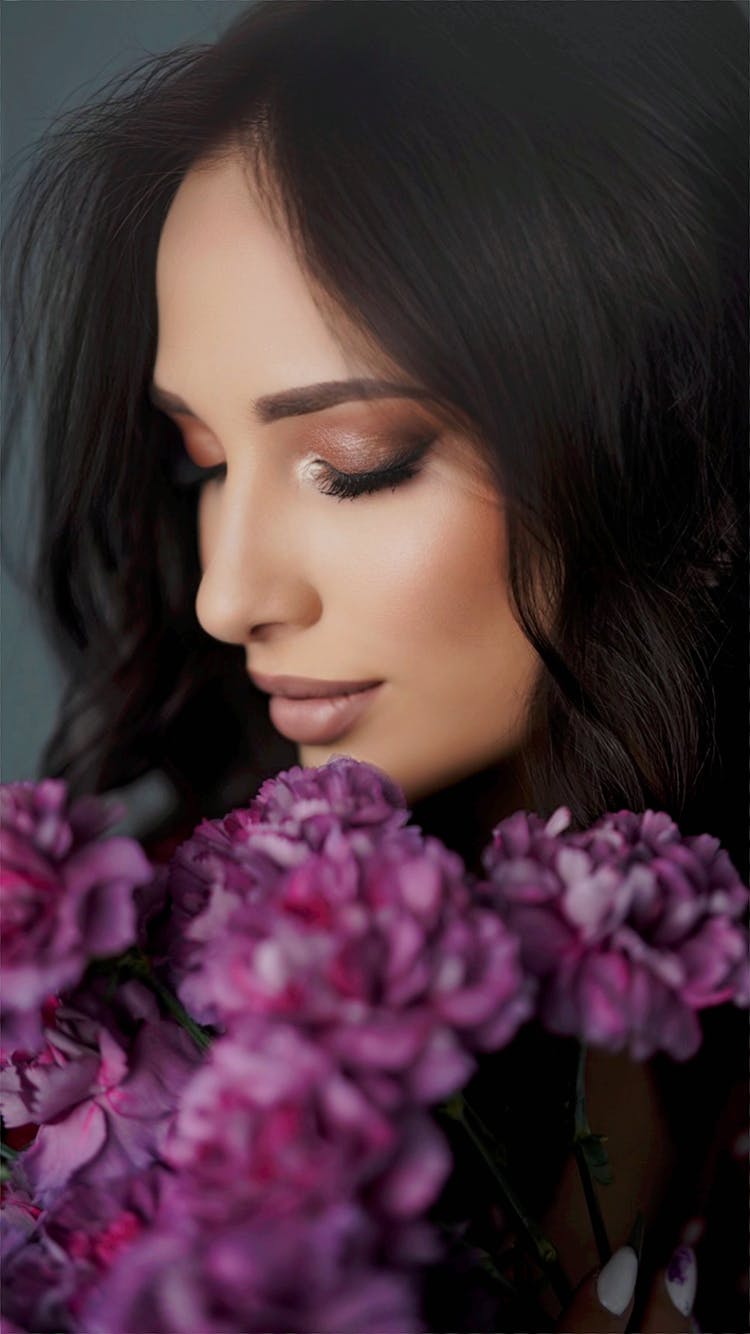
x=431 y=599
x=433 y=573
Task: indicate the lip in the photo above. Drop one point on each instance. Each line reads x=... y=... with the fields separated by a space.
x=319 y=720
x=305 y=687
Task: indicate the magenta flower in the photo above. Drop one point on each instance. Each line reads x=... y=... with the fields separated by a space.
x=343 y=793
x=66 y=897
x=269 y=1124
x=72 y=1246
x=290 y=817
x=375 y=945
x=630 y=927
x=19 y=1214
x=311 y=1272
x=103 y=1093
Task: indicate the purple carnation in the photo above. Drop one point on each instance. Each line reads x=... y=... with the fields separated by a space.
x=629 y=926
x=379 y=949
x=269 y=1124
x=66 y=897
x=291 y=815
x=102 y=1095
x=19 y=1212
x=311 y=1272
x=344 y=793
x=71 y=1247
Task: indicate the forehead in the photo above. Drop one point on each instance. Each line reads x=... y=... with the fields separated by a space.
x=227 y=279
x=215 y=205
x=237 y=314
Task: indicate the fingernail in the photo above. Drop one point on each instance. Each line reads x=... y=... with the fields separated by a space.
x=616 y=1281
x=681 y=1279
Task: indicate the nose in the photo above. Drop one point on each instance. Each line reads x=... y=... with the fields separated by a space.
x=256 y=582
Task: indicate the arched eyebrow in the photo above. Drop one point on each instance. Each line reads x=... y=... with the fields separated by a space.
x=302 y=400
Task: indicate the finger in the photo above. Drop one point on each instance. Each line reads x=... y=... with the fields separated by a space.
x=670 y=1302
x=603 y=1301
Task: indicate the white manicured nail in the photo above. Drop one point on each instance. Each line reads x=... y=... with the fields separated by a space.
x=681 y=1279
x=616 y=1281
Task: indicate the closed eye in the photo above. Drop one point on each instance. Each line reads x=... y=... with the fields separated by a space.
x=184 y=474
x=348 y=486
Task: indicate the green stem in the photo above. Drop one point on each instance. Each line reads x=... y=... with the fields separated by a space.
x=458 y=1109
x=137 y=964
x=199 y=1035
x=7 y=1158
x=583 y=1139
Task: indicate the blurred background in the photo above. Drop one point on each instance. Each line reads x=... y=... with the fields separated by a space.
x=55 y=54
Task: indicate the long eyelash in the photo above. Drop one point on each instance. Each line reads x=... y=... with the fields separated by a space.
x=185 y=474
x=347 y=486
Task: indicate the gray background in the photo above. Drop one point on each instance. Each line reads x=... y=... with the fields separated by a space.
x=56 y=54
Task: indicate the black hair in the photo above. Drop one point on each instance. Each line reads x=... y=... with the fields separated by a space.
x=538 y=211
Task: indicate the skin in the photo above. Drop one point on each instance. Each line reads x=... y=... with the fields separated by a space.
x=622 y=1102
x=406 y=585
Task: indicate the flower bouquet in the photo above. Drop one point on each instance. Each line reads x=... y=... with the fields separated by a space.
x=230 y=1084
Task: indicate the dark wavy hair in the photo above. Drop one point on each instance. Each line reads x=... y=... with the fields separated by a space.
x=538 y=211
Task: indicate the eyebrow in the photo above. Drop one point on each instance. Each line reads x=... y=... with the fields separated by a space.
x=307 y=398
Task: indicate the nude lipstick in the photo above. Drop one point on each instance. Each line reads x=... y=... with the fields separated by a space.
x=314 y=711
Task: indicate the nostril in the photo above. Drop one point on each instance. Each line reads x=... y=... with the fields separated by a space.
x=260 y=631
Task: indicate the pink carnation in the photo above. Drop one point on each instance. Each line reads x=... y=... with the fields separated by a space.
x=629 y=926
x=66 y=897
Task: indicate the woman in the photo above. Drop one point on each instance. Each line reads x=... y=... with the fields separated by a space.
x=402 y=346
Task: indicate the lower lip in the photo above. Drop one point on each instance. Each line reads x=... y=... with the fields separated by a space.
x=319 y=720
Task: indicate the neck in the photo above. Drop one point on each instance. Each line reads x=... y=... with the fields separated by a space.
x=464 y=814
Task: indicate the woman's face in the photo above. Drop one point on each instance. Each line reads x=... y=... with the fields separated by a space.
x=405 y=585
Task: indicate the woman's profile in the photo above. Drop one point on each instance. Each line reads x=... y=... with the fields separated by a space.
x=397 y=353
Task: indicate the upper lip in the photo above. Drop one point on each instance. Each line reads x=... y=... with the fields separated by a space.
x=305 y=687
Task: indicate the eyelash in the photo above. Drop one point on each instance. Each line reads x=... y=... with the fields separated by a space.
x=185 y=474
x=348 y=486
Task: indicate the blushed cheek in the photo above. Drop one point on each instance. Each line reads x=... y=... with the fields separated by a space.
x=439 y=576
